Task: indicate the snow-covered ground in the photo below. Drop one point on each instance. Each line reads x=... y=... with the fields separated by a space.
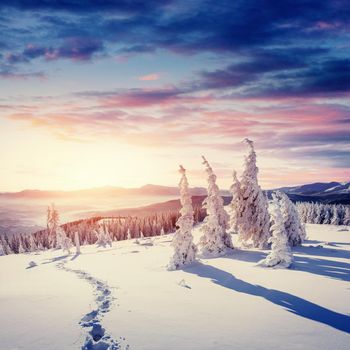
x=124 y=297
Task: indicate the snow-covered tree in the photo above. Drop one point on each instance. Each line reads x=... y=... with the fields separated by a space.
x=327 y=215
x=235 y=205
x=335 y=218
x=32 y=245
x=294 y=227
x=6 y=247
x=253 y=218
x=184 y=248
x=2 y=252
x=77 y=242
x=162 y=233
x=280 y=255
x=20 y=247
x=347 y=216
x=103 y=236
x=64 y=242
x=53 y=219
x=319 y=213
x=128 y=235
x=215 y=239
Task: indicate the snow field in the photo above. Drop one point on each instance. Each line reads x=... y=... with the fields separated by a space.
x=222 y=303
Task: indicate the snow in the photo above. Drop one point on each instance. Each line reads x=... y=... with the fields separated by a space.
x=223 y=303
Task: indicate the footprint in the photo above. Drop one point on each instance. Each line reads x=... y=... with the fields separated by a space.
x=97 y=338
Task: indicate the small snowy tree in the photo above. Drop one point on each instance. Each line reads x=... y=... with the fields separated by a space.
x=234 y=207
x=327 y=215
x=347 y=216
x=335 y=218
x=32 y=245
x=280 y=255
x=128 y=235
x=294 y=227
x=103 y=237
x=77 y=242
x=64 y=241
x=253 y=218
x=2 y=252
x=162 y=233
x=184 y=248
x=215 y=239
x=53 y=219
x=20 y=248
x=6 y=248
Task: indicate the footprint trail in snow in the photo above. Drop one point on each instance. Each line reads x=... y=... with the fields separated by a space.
x=97 y=338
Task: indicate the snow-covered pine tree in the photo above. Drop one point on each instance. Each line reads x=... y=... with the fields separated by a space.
x=53 y=219
x=311 y=213
x=6 y=247
x=2 y=252
x=318 y=213
x=103 y=237
x=254 y=220
x=335 y=217
x=184 y=248
x=280 y=255
x=77 y=242
x=128 y=235
x=32 y=245
x=294 y=227
x=20 y=247
x=327 y=215
x=234 y=207
x=347 y=216
x=162 y=233
x=215 y=239
x=64 y=241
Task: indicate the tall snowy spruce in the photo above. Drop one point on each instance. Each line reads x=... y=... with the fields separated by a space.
x=253 y=215
x=215 y=239
x=184 y=248
x=294 y=227
x=280 y=255
x=234 y=207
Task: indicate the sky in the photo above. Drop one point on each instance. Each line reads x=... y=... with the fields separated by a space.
x=96 y=93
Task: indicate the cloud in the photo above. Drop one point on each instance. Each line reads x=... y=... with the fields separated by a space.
x=8 y=72
x=83 y=6
x=149 y=77
x=74 y=48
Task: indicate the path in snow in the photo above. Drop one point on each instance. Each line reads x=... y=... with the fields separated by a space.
x=97 y=338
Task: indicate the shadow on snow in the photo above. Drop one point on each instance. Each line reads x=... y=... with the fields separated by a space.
x=318 y=266
x=291 y=303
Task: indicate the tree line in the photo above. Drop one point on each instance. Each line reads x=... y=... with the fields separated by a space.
x=319 y=213
x=119 y=228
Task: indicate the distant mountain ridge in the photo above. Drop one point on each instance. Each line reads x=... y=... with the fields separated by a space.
x=319 y=188
x=25 y=211
x=110 y=191
x=325 y=192
x=328 y=192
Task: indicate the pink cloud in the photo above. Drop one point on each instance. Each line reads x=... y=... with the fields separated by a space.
x=149 y=77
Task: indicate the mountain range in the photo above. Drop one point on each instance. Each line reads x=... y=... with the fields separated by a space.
x=25 y=211
x=330 y=192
